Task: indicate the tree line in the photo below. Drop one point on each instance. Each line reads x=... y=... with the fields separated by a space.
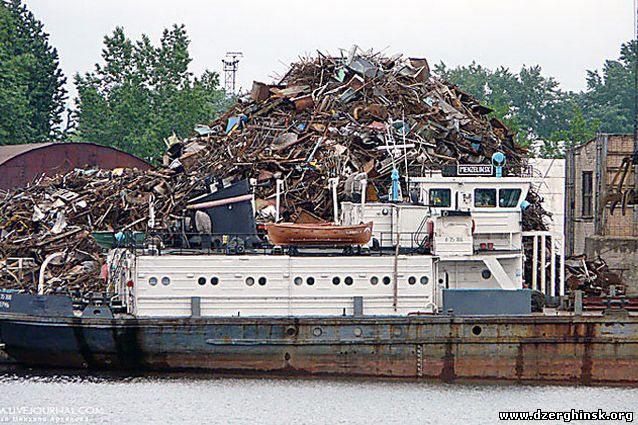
x=536 y=108
x=141 y=93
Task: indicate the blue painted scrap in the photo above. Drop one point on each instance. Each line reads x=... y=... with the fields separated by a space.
x=401 y=127
x=203 y=130
x=235 y=122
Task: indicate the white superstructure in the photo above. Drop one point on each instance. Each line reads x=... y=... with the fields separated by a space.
x=458 y=232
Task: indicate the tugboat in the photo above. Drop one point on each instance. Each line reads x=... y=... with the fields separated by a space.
x=431 y=287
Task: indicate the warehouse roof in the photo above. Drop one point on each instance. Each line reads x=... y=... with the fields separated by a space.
x=8 y=152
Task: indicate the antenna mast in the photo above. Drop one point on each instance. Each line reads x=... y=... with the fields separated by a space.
x=231 y=63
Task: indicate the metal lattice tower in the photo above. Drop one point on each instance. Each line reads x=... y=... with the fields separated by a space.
x=230 y=70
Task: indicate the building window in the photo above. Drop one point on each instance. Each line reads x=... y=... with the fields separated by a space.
x=587 y=189
x=441 y=198
x=485 y=198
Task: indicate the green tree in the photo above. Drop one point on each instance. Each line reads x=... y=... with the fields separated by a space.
x=578 y=130
x=143 y=93
x=609 y=97
x=32 y=94
x=530 y=103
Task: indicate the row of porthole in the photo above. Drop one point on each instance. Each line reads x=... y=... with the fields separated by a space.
x=374 y=280
x=154 y=281
x=250 y=281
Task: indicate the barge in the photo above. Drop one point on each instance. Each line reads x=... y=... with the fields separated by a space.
x=442 y=289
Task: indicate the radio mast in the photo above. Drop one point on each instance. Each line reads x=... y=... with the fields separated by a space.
x=231 y=63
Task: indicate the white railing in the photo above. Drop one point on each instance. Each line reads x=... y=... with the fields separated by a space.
x=540 y=256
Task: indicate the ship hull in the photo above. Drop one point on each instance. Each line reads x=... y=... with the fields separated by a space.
x=586 y=350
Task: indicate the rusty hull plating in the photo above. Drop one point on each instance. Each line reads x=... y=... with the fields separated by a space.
x=586 y=350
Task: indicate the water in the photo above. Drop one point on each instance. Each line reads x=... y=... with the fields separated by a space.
x=201 y=399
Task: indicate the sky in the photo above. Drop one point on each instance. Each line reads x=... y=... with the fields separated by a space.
x=565 y=37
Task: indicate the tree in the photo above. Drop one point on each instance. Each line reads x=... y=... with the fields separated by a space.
x=531 y=104
x=579 y=130
x=32 y=94
x=142 y=94
x=609 y=97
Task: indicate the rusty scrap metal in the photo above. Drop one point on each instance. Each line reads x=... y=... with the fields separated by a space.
x=329 y=116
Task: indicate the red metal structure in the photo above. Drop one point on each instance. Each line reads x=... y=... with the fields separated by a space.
x=20 y=164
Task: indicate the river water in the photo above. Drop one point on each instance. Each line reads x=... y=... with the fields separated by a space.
x=38 y=397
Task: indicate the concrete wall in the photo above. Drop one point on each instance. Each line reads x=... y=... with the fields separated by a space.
x=549 y=180
x=621 y=255
x=583 y=226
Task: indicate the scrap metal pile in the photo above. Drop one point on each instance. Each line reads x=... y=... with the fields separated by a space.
x=361 y=112
x=337 y=116
x=58 y=214
x=593 y=277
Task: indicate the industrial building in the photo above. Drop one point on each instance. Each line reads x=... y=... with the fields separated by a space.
x=21 y=164
x=596 y=226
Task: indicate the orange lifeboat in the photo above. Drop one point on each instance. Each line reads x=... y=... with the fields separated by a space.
x=318 y=234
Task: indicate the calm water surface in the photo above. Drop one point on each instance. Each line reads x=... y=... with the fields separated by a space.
x=30 y=396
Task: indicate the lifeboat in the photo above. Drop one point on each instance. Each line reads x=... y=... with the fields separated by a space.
x=318 y=234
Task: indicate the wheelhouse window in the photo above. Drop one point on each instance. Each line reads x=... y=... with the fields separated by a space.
x=441 y=198
x=485 y=198
x=508 y=198
x=587 y=191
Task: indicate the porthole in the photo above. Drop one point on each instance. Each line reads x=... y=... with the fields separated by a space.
x=476 y=330
x=166 y=281
x=424 y=280
x=374 y=280
x=412 y=280
x=386 y=280
x=336 y=280
x=298 y=281
x=310 y=280
x=152 y=281
x=214 y=280
x=348 y=281
x=486 y=274
x=201 y=281
x=250 y=281
x=262 y=281
x=317 y=331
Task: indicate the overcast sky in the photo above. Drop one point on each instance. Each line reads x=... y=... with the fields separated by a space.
x=566 y=37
